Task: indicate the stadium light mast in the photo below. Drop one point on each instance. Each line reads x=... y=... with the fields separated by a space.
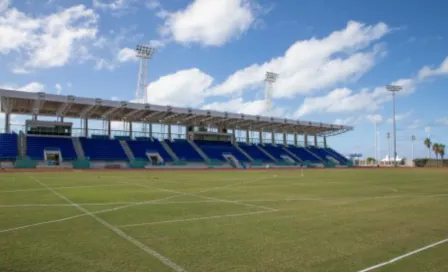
x=393 y=89
x=144 y=53
x=388 y=144
x=270 y=79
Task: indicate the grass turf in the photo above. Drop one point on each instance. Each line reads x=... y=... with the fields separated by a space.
x=328 y=220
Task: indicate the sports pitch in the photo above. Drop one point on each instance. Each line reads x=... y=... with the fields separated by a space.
x=276 y=220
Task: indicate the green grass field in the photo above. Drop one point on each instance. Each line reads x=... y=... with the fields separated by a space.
x=328 y=220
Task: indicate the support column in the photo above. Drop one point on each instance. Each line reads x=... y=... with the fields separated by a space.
x=247 y=137
x=284 y=138
x=35 y=117
x=86 y=127
x=169 y=133
x=315 y=140
x=233 y=136
x=273 y=138
x=295 y=139
x=260 y=136
x=130 y=130
x=150 y=130
x=305 y=139
x=109 y=128
x=7 y=125
x=325 y=141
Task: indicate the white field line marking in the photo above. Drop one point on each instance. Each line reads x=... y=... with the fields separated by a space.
x=137 y=243
x=211 y=198
x=156 y=202
x=392 y=189
x=42 y=223
x=194 y=219
x=58 y=188
x=403 y=256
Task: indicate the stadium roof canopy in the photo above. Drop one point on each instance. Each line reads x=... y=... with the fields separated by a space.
x=43 y=104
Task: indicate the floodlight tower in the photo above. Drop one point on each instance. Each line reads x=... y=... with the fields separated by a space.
x=394 y=89
x=144 y=53
x=270 y=79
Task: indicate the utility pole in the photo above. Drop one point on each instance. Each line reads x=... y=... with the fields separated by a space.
x=388 y=143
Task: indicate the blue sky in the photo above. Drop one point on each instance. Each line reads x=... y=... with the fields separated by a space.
x=334 y=58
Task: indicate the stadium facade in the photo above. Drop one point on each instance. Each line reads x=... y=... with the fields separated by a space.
x=209 y=138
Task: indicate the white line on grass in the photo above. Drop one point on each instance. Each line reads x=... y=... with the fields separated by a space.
x=194 y=219
x=137 y=243
x=392 y=189
x=42 y=223
x=404 y=256
x=58 y=188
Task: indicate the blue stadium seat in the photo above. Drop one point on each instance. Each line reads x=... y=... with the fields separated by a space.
x=140 y=147
x=342 y=160
x=8 y=146
x=35 y=146
x=104 y=150
x=215 y=150
x=303 y=154
x=320 y=152
x=254 y=152
x=276 y=152
x=184 y=150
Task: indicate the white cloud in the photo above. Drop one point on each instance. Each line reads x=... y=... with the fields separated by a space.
x=443 y=121
x=346 y=100
x=111 y=4
x=58 y=88
x=374 y=118
x=49 y=41
x=209 y=23
x=126 y=54
x=4 y=5
x=349 y=121
x=338 y=101
x=314 y=64
x=153 y=4
x=238 y=105
x=183 y=88
x=415 y=124
x=400 y=116
x=32 y=87
x=427 y=71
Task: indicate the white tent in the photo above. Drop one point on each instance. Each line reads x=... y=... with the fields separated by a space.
x=387 y=159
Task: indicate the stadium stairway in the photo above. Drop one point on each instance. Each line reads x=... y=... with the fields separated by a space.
x=169 y=150
x=243 y=152
x=304 y=154
x=98 y=149
x=78 y=148
x=292 y=154
x=184 y=151
x=127 y=150
x=225 y=152
x=141 y=147
x=267 y=153
x=255 y=153
x=199 y=151
x=342 y=160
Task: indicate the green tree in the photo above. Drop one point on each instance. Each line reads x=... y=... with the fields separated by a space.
x=370 y=160
x=435 y=149
x=442 y=152
x=428 y=144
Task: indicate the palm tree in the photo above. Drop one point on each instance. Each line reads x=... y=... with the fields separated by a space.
x=428 y=144
x=442 y=152
x=435 y=149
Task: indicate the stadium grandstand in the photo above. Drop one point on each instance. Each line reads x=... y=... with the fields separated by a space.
x=209 y=139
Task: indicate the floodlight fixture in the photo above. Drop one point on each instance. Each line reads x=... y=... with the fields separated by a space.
x=393 y=89
x=271 y=77
x=144 y=52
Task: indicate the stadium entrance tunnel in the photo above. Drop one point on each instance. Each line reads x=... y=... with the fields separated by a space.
x=154 y=158
x=52 y=157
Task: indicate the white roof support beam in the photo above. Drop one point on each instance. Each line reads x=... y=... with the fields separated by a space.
x=109 y=113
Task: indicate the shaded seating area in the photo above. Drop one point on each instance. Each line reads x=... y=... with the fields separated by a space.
x=103 y=149
x=303 y=154
x=36 y=146
x=184 y=150
x=253 y=151
x=215 y=150
x=142 y=146
x=8 y=146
